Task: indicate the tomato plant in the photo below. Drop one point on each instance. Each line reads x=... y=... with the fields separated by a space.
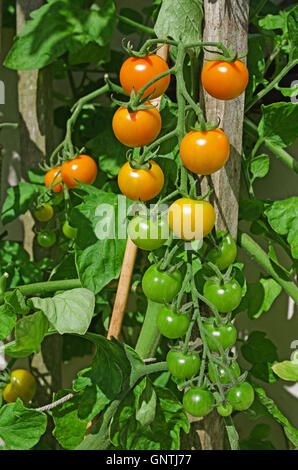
x=224 y=80
x=81 y=169
x=183 y=366
x=137 y=72
x=241 y=397
x=222 y=335
x=46 y=239
x=141 y=184
x=139 y=153
x=226 y=296
x=204 y=152
x=161 y=286
x=171 y=324
x=22 y=385
x=138 y=128
x=198 y=402
x=191 y=219
x=44 y=213
x=146 y=233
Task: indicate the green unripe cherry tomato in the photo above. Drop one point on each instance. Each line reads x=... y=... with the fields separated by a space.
x=161 y=286
x=172 y=325
x=44 y=213
x=226 y=335
x=223 y=375
x=183 y=366
x=224 y=409
x=46 y=239
x=226 y=297
x=69 y=231
x=146 y=233
x=198 y=402
x=241 y=397
x=22 y=385
x=225 y=252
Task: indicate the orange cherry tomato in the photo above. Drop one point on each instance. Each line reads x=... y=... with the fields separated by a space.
x=190 y=219
x=52 y=177
x=136 y=129
x=204 y=152
x=141 y=184
x=136 y=72
x=224 y=80
x=82 y=168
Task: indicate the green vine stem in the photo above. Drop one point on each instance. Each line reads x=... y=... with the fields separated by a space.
x=271 y=85
x=149 y=336
x=272 y=268
x=139 y=26
x=41 y=288
x=284 y=156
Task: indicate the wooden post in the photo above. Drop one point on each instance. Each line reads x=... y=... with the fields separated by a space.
x=225 y=21
x=36 y=140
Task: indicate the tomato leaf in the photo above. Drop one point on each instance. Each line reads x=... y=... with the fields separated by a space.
x=98 y=256
x=69 y=428
x=180 y=19
x=29 y=333
x=8 y=320
x=279 y=123
x=261 y=353
x=145 y=402
x=69 y=312
x=261 y=295
x=290 y=431
x=19 y=199
x=17 y=302
x=58 y=27
x=283 y=218
x=259 y=166
x=20 y=427
x=286 y=370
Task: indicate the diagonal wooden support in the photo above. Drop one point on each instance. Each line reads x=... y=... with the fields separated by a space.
x=128 y=260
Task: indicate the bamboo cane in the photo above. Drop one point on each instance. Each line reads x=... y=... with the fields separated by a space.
x=128 y=260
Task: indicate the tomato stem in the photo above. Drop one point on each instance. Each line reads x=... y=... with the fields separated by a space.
x=149 y=335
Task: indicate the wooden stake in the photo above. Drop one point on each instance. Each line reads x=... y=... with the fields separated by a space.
x=128 y=260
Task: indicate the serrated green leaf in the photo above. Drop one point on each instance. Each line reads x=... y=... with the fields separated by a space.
x=279 y=123
x=69 y=312
x=69 y=428
x=20 y=427
x=261 y=295
x=259 y=166
x=8 y=320
x=17 y=302
x=58 y=27
x=29 y=333
x=145 y=402
x=19 y=199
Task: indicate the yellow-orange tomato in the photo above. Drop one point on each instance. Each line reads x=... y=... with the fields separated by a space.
x=141 y=184
x=22 y=385
x=136 y=129
x=137 y=72
x=204 y=152
x=190 y=219
x=224 y=80
x=52 y=177
x=82 y=168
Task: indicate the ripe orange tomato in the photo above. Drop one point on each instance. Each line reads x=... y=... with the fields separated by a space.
x=82 y=168
x=141 y=184
x=136 y=72
x=136 y=129
x=190 y=219
x=204 y=152
x=224 y=80
x=51 y=177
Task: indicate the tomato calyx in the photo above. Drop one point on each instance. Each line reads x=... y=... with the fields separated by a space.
x=135 y=103
x=138 y=160
x=143 y=52
x=204 y=126
x=226 y=54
